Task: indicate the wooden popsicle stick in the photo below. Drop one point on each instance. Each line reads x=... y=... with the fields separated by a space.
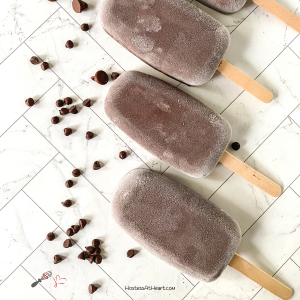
x=280 y=12
x=259 y=180
x=245 y=82
x=260 y=277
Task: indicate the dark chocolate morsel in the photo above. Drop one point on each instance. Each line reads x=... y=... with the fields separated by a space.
x=92 y=289
x=29 y=102
x=87 y=102
x=57 y=259
x=130 y=253
x=55 y=120
x=81 y=255
x=96 y=243
x=44 y=66
x=59 y=103
x=34 y=60
x=235 y=146
x=67 y=203
x=97 y=251
x=50 y=236
x=64 y=111
x=79 y=6
x=82 y=223
x=67 y=131
x=101 y=77
x=90 y=259
x=68 y=100
x=69 y=44
x=96 y=165
x=73 y=110
x=70 y=232
x=90 y=250
x=85 y=27
x=98 y=259
x=69 y=183
x=75 y=228
x=122 y=155
x=89 y=135
x=76 y=172
x=67 y=243
x=114 y=75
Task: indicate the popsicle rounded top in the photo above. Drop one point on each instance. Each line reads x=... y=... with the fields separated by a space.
x=176 y=224
x=173 y=36
x=168 y=122
x=224 y=6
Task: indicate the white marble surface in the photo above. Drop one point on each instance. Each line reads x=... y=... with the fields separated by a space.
x=36 y=158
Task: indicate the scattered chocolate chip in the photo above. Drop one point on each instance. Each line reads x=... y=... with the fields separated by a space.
x=34 y=60
x=90 y=259
x=76 y=173
x=50 y=236
x=75 y=228
x=81 y=255
x=96 y=165
x=96 y=243
x=67 y=203
x=89 y=135
x=57 y=259
x=29 y=102
x=70 y=232
x=68 y=100
x=64 y=111
x=82 y=223
x=44 y=66
x=98 y=259
x=69 y=44
x=97 y=251
x=101 y=77
x=122 y=154
x=92 y=289
x=52 y=0
x=69 y=183
x=55 y=120
x=79 y=6
x=59 y=103
x=67 y=243
x=85 y=27
x=235 y=146
x=90 y=250
x=67 y=131
x=130 y=253
x=87 y=102
x=73 y=110
x=114 y=75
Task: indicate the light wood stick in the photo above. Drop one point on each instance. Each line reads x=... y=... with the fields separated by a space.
x=259 y=180
x=280 y=12
x=260 y=277
x=244 y=81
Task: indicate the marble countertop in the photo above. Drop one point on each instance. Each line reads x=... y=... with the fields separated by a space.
x=36 y=158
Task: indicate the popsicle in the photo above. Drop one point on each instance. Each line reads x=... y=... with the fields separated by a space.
x=176 y=38
x=176 y=127
x=271 y=6
x=183 y=229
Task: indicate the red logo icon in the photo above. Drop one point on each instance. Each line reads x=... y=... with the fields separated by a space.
x=58 y=280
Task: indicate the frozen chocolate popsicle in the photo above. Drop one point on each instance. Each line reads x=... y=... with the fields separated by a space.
x=175 y=127
x=271 y=6
x=176 y=38
x=182 y=228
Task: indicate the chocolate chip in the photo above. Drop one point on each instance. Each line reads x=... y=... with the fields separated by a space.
x=70 y=232
x=50 y=236
x=73 y=110
x=76 y=173
x=67 y=203
x=68 y=100
x=81 y=255
x=85 y=27
x=235 y=146
x=96 y=243
x=57 y=259
x=29 y=102
x=96 y=165
x=52 y=0
x=92 y=289
x=114 y=75
x=44 y=66
x=69 y=183
x=69 y=44
x=130 y=253
x=90 y=249
x=122 y=154
x=97 y=251
x=55 y=120
x=89 y=135
x=82 y=223
x=90 y=259
x=79 y=6
x=87 y=102
x=59 y=103
x=67 y=243
x=67 y=131
x=98 y=259
x=34 y=60
x=64 y=111
x=75 y=228
x=101 y=77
